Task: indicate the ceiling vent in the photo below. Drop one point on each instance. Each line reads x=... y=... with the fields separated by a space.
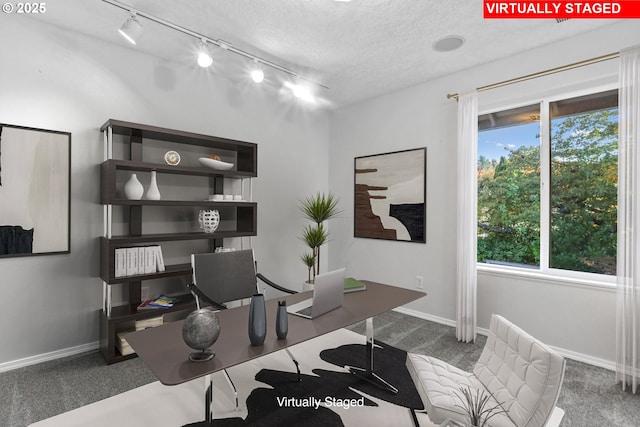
x=559 y=20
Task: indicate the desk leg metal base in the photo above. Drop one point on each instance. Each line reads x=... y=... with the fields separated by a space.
x=367 y=372
x=208 y=399
x=295 y=362
x=233 y=387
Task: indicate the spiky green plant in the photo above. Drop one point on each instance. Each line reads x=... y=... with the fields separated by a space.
x=318 y=208
x=477 y=406
x=309 y=260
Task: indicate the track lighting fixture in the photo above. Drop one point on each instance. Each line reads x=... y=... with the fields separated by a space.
x=204 y=56
x=131 y=29
x=257 y=75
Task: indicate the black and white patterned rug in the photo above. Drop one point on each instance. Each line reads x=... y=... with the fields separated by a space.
x=269 y=394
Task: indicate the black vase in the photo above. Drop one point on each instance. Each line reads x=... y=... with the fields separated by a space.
x=257 y=320
x=282 y=322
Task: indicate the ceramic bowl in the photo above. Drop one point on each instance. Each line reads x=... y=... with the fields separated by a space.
x=215 y=164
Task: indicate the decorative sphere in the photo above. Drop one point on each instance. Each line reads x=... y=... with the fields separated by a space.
x=201 y=329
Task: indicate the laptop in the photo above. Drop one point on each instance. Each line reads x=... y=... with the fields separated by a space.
x=328 y=292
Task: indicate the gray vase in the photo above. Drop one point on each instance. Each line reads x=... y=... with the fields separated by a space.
x=257 y=320
x=200 y=330
x=282 y=322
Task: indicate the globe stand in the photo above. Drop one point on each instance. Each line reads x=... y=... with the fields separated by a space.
x=201 y=356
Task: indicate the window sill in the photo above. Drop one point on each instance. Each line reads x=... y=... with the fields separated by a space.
x=605 y=284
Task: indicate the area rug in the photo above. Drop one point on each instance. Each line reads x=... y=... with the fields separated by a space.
x=269 y=394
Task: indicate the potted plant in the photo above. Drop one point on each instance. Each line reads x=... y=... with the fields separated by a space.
x=477 y=406
x=317 y=208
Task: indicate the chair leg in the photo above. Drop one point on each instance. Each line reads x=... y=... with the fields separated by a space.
x=414 y=417
x=296 y=363
x=233 y=387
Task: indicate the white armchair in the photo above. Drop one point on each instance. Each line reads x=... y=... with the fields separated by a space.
x=523 y=375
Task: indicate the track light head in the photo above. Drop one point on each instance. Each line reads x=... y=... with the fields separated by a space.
x=131 y=29
x=257 y=75
x=204 y=56
x=301 y=92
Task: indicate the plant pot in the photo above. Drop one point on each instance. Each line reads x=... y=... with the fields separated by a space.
x=307 y=286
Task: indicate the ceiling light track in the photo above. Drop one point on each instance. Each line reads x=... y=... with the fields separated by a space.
x=217 y=42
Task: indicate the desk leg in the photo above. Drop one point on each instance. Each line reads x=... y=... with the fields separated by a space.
x=208 y=399
x=367 y=372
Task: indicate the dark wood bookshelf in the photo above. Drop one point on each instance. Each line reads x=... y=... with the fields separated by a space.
x=241 y=223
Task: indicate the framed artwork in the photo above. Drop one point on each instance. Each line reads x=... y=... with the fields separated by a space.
x=35 y=192
x=390 y=196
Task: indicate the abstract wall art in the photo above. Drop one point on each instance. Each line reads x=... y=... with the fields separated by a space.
x=390 y=196
x=35 y=193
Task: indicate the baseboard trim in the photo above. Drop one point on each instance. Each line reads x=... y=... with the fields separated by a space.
x=425 y=316
x=569 y=354
x=46 y=357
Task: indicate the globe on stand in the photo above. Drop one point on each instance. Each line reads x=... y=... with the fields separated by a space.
x=200 y=330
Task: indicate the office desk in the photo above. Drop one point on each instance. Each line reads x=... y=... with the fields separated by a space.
x=165 y=353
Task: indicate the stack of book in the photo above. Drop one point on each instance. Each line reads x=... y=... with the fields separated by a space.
x=138 y=260
x=161 y=301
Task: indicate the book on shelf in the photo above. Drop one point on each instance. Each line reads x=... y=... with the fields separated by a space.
x=151 y=322
x=121 y=262
x=353 y=285
x=150 y=259
x=159 y=258
x=122 y=345
x=132 y=261
x=141 y=264
x=161 y=301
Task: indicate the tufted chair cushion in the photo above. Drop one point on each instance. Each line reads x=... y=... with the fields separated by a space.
x=521 y=372
x=438 y=384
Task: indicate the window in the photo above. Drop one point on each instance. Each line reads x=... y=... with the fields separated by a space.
x=547 y=185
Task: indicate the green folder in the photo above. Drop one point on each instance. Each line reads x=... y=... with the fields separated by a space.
x=353 y=285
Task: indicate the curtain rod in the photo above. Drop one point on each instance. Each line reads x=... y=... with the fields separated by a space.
x=543 y=73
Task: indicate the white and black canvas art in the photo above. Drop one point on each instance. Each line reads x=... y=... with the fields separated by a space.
x=35 y=191
x=390 y=196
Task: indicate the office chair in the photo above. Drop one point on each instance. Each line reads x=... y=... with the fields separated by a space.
x=222 y=277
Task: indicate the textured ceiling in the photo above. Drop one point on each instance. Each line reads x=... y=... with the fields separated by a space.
x=359 y=49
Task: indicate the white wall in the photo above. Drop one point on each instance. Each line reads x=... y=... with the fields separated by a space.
x=577 y=318
x=55 y=79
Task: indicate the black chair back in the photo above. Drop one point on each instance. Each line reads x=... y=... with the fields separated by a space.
x=224 y=276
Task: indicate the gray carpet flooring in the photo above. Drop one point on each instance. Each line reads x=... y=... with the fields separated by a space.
x=589 y=395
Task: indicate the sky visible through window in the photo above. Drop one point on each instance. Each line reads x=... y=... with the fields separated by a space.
x=494 y=143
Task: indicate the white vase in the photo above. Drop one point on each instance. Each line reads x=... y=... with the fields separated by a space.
x=307 y=286
x=133 y=189
x=153 y=193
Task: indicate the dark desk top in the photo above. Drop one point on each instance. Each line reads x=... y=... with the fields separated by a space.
x=166 y=354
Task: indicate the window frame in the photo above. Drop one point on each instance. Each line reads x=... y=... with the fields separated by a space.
x=545 y=272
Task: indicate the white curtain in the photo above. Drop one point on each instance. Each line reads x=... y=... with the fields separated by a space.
x=466 y=276
x=628 y=293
